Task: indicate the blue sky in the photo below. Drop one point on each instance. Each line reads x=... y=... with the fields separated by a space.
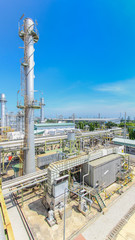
x=84 y=60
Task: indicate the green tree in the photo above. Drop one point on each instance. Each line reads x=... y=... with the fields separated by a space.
x=91 y=127
x=97 y=125
x=121 y=124
x=131 y=133
x=81 y=125
x=110 y=124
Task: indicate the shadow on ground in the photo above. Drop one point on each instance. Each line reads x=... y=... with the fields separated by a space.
x=38 y=207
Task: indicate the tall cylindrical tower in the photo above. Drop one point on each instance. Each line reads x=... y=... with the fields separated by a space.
x=3 y=107
x=42 y=104
x=7 y=120
x=29 y=35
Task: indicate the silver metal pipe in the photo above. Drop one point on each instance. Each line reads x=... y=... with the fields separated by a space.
x=29 y=36
x=7 y=119
x=42 y=104
x=23 y=179
x=3 y=106
x=25 y=186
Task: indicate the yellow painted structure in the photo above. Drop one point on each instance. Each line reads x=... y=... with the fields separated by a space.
x=6 y=222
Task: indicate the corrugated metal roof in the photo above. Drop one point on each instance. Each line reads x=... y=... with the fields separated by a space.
x=123 y=141
x=104 y=160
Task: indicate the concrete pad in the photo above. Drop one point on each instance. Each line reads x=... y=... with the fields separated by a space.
x=105 y=223
x=15 y=219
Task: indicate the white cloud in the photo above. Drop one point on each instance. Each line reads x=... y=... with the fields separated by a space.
x=110 y=88
x=120 y=87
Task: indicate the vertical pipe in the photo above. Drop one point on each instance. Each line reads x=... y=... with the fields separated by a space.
x=3 y=162
x=3 y=105
x=125 y=134
x=22 y=123
x=7 y=119
x=42 y=109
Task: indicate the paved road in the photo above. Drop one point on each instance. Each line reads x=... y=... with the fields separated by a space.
x=105 y=223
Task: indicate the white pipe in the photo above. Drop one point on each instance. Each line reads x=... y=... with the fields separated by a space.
x=42 y=110
x=3 y=105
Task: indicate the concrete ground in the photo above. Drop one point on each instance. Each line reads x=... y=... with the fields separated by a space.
x=16 y=222
x=105 y=223
x=94 y=226
x=35 y=214
x=128 y=231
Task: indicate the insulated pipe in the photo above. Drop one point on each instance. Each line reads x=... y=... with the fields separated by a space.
x=3 y=105
x=29 y=36
x=29 y=97
x=7 y=120
x=42 y=109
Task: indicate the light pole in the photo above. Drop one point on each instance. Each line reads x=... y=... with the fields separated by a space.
x=79 y=195
x=64 y=213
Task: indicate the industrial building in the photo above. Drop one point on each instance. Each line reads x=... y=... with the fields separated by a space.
x=54 y=128
x=128 y=143
x=102 y=172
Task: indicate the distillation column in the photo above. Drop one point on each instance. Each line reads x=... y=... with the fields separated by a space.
x=29 y=35
x=3 y=115
x=42 y=104
x=7 y=120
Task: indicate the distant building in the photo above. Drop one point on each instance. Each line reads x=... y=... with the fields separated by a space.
x=54 y=128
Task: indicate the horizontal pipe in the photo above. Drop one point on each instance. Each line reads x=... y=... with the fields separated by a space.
x=25 y=186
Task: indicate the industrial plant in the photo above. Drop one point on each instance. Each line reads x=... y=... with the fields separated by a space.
x=56 y=178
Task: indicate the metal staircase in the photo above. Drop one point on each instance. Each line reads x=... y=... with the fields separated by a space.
x=96 y=196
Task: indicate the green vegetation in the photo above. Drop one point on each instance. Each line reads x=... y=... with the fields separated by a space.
x=111 y=124
x=91 y=126
x=132 y=133
x=130 y=125
x=50 y=121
